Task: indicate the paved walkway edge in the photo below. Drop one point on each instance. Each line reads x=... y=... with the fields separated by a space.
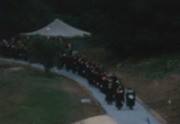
x=153 y=112
x=39 y=66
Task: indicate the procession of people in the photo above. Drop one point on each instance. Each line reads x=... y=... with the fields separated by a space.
x=108 y=83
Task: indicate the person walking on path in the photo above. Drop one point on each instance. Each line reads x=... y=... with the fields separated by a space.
x=130 y=98
x=109 y=93
x=119 y=97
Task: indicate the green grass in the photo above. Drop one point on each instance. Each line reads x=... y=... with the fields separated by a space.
x=27 y=97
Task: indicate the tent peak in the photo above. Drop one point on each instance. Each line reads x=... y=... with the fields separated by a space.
x=59 y=28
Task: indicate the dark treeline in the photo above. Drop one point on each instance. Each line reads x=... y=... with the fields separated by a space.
x=126 y=27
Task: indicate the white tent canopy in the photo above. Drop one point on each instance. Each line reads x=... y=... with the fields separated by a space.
x=58 y=28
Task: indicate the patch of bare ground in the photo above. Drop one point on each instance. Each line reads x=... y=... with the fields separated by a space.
x=9 y=67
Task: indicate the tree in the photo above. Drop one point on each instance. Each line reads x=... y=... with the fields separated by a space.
x=45 y=51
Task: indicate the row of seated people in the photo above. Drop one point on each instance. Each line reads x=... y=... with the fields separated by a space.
x=12 y=49
x=109 y=84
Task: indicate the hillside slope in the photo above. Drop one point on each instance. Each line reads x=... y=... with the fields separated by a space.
x=156 y=80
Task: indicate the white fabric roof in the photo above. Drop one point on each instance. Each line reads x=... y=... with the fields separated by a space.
x=59 y=28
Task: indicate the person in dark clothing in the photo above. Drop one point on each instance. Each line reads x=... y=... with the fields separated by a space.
x=113 y=77
x=130 y=98
x=119 y=96
x=104 y=83
x=109 y=93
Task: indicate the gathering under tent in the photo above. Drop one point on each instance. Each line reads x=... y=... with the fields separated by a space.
x=58 y=28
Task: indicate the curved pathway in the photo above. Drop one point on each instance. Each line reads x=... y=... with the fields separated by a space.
x=139 y=115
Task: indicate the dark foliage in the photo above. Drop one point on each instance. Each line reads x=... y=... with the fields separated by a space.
x=23 y=15
x=144 y=27
x=45 y=51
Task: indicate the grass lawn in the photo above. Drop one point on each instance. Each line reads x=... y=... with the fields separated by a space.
x=28 y=97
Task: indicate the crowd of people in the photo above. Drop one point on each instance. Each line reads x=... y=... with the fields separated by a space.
x=13 y=48
x=108 y=83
